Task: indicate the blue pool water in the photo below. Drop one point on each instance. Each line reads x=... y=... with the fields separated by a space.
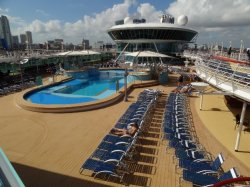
x=91 y=87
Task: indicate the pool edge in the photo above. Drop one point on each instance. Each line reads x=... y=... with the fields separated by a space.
x=21 y=102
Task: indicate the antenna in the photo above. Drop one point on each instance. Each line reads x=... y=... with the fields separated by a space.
x=166 y=18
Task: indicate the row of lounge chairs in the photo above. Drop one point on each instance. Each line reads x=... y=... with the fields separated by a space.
x=114 y=153
x=197 y=165
x=15 y=86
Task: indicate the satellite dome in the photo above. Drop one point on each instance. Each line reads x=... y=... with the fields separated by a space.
x=182 y=20
x=128 y=20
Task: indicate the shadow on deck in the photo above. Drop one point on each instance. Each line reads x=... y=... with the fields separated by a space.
x=37 y=177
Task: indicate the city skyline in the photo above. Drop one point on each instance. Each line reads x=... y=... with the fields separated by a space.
x=216 y=22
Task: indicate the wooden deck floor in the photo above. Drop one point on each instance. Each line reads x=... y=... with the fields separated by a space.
x=49 y=149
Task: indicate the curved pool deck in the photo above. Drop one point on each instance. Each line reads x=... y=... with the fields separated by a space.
x=55 y=108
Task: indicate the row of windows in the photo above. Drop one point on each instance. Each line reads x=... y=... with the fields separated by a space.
x=157 y=34
x=165 y=48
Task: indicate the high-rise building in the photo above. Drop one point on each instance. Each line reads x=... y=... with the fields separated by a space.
x=85 y=44
x=56 y=44
x=15 y=42
x=29 y=37
x=23 y=38
x=99 y=45
x=5 y=33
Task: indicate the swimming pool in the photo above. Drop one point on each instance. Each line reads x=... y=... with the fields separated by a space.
x=91 y=86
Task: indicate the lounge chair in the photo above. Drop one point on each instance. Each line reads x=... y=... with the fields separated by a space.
x=107 y=169
x=115 y=151
x=201 y=165
x=191 y=155
x=208 y=180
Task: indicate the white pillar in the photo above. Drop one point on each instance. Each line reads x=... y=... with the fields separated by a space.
x=158 y=52
x=221 y=48
x=230 y=45
x=241 y=49
x=121 y=53
x=201 y=100
x=125 y=85
x=21 y=73
x=242 y=116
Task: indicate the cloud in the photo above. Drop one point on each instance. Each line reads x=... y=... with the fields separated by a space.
x=220 y=21
x=148 y=12
x=4 y=10
x=213 y=13
x=94 y=27
x=215 y=20
x=89 y=27
x=42 y=12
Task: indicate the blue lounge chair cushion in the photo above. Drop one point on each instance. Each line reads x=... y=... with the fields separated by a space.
x=199 y=179
x=105 y=155
x=202 y=165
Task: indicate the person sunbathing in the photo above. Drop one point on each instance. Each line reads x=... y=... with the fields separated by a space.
x=184 y=89
x=131 y=130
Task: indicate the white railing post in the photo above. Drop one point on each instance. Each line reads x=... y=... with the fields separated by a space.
x=241 y=48
x=221 y=48
x=242 y=116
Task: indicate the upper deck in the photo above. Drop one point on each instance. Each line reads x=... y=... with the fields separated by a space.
x=233 y=78
x=139 y=31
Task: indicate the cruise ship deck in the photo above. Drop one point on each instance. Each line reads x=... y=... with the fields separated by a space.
x=48 y=149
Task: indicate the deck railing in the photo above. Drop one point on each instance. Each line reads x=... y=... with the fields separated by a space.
x=230 y=77
x=234 y=55
x=234 y=73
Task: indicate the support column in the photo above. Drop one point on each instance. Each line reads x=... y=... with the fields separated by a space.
x=158 y=52
x=121 y=52
x=125 y=85
x=242 y=116
x=201 y=100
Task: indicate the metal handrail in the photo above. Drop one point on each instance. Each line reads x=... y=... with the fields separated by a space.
x=235 y=76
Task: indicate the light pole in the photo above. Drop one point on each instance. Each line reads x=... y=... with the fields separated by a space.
x=125 y=85
x=21 y=73
x=211 y=48
x=221 y=48
x=241 y=48
x=20 y=62
x=230 y=49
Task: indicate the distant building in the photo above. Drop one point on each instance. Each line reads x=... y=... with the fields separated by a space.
x=15 y=42
x=5 y=34
x=59 y=44
x=108 y=46
x=69 y=46
x=99 y=45
x=29 y=41
x=22 y=44
x=85 y=44
x=23 y=38
x=29 y=37
x=56 y=44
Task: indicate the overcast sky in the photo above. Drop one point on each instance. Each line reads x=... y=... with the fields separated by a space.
x=216 y=21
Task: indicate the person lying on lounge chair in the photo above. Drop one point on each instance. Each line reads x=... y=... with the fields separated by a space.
x=184 y=89
x=131 y=130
